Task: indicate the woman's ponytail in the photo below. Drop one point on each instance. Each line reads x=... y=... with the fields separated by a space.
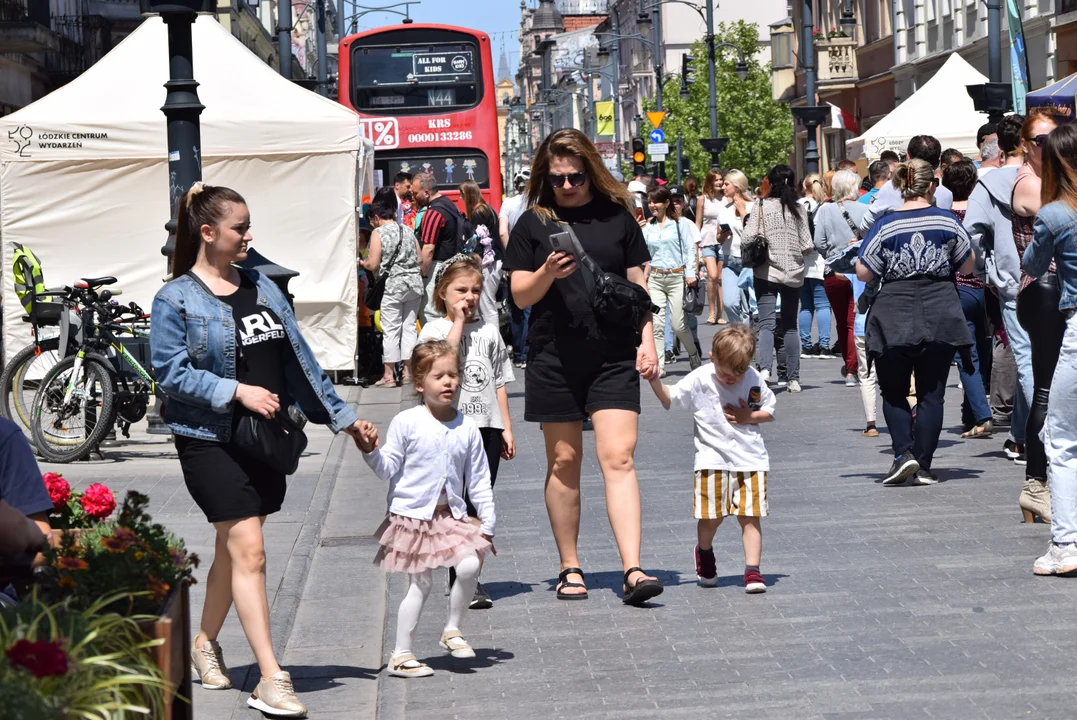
x=901 y=177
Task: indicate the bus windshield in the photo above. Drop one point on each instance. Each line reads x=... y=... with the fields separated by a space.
x=416 y=77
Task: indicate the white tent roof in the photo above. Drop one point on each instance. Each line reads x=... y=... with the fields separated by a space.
x=941 y=107
x=84 y=178
x=250 y=109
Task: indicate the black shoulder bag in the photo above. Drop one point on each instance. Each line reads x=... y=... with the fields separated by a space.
x=276 y=442
x=755 y=251
x=694 y=301
x=373 y=295
x=616 y=300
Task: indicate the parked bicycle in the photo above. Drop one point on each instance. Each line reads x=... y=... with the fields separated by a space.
x=101 y=385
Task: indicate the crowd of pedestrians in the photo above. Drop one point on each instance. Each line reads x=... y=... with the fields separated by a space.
x=927 y=261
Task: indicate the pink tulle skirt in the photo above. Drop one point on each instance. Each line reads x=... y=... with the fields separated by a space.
x=410 y=545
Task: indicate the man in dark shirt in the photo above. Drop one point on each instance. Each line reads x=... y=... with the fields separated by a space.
x=439 y=233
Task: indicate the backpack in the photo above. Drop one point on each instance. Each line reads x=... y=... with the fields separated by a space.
x=26 y=273
x=460 y=229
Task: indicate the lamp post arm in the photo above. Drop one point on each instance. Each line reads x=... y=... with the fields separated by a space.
x=699 y=11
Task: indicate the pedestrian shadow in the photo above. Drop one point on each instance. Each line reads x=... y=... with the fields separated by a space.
x=315 y=678
x=484 y=658
x=771 y=579
x=501 y=590
x=957 y=473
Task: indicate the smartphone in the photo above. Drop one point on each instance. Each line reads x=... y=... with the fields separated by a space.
x=639 y=212
x=562 y=242
x=724 y=227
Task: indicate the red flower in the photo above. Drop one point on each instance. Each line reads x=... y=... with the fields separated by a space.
x=97 y=501
x=42 y=659
x=59 y=489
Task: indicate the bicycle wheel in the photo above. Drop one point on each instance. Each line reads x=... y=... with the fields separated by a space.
x=21 y=379
x=68 y=430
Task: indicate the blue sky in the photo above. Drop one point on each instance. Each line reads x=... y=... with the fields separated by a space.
x=497 y=18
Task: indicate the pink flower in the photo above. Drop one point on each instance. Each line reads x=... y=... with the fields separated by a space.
x=59 y=489
x=97 y=501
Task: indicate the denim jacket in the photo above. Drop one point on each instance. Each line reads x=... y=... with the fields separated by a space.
x=1055 y=238
x=193 y=352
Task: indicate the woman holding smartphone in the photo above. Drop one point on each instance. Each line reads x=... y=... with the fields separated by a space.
x=578 y=365
x=708 y=212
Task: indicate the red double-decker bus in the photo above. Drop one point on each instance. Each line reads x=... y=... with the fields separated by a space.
x=427 y=98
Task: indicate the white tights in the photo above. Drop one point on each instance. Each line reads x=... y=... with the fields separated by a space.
x=411 y=607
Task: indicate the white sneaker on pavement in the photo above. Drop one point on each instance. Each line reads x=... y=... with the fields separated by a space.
x=1058 y=560
x=208 y=664
x=794 y=386
x=275 y=696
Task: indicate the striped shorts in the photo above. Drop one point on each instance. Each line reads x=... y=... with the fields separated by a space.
x=718 y=493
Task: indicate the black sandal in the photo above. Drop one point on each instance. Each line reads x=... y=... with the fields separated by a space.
x=642 y=591
x=563 y=583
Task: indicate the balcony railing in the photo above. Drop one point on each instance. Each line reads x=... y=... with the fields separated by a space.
x=25 y=10
x=836 y=60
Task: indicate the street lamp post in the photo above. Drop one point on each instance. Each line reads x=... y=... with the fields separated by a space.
x=811 y=116
x=182 y=107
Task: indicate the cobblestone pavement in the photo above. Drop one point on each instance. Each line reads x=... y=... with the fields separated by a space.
x=900 y=602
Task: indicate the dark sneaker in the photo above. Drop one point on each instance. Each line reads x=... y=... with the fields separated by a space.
x=753 y=582
x=481 y=600
x=671 y=357
x=810 y=351
x=706 y=567
x=1013 y=450
x=903 y=468
x=924 y=477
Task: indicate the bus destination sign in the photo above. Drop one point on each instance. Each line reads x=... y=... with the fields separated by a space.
x=432 y=67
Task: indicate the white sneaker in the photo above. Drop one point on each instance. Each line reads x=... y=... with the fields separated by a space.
x=208 y=664
x=1058 y=560
x=794 y=386
x=275 y=696
x=765 y=375
x=850 y=381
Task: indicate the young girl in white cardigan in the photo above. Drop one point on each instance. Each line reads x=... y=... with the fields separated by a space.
x=431 y=453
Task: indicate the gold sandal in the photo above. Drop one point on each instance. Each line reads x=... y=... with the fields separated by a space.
x=455 y=643
x=407 y=665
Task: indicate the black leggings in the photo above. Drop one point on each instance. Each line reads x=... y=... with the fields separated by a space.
x=492 y=444
x=1038 y=313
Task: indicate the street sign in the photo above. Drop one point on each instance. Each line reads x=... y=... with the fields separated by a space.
x=658 y=149
x=656 y=117
x=657 y=136
x=658 y=158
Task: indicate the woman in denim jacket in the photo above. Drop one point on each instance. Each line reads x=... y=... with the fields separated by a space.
x=225 y=343
x=1055 y=239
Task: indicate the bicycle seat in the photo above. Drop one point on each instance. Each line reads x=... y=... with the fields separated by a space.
x=96 y=282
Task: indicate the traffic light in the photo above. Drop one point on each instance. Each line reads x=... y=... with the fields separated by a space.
x=638 y=156
x=687 y=74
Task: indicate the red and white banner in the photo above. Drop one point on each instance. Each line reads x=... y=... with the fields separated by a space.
x=840 y=119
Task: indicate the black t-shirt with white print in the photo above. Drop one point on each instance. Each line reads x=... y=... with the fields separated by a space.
x=261 y=342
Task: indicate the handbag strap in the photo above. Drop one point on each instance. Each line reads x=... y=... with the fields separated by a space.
x=396 y=250
x=849 y=221
x=762 y=223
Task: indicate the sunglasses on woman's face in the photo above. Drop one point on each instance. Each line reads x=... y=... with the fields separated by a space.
x=1040 y=141
x=574 y=179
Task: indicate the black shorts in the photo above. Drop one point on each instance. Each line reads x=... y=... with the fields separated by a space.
x=225 y=483
x=568 y=379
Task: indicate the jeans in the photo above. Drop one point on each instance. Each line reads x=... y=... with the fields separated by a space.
x=1022 y=357
x=975 y=408
x=1060 y=439
x=693 y=327
x=869 y=381
x=839 y=290
x=813 y=301
x=518 y=324
x=668 y=289
x=931 y=363
x=1003 y=383
x=398 y=334
x=735 y=300
x=1037 y=309
x=766 y=294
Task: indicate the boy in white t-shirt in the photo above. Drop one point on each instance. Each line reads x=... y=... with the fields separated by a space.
x=728 y=400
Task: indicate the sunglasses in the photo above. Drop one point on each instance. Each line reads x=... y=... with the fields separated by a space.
x=574 y=179
x=1040 y=141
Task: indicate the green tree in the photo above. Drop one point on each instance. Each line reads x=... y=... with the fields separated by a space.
x=760 y=130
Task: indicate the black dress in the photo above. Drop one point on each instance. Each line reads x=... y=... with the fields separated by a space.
x=225 y=483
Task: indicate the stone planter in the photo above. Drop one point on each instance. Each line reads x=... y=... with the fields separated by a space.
x=173 y=656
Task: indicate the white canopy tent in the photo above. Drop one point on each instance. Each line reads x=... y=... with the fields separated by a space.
x=84 y=178
x=941 y=107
